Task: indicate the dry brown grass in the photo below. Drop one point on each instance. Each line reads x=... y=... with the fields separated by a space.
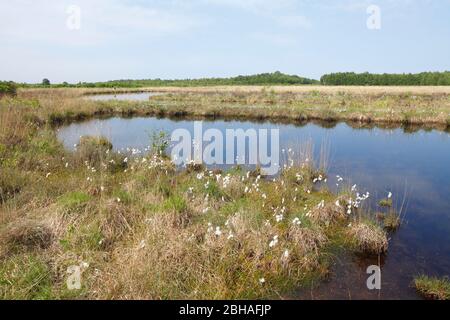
x=363 y=90
x=357 y=105
x=330 y=213
x=369 y=238
x=26 y=233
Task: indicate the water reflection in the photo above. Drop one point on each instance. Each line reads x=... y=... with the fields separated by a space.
x=135 y=96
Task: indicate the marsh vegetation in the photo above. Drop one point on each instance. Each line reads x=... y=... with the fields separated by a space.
x=432 y=287
x=192 y=233
x=423 y=107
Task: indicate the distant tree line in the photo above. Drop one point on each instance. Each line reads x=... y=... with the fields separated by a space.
x=263 y=79
x=276 y=78
x=8 y=88
x=387 y=79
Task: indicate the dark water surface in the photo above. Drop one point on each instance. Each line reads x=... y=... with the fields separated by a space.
x=378 y=161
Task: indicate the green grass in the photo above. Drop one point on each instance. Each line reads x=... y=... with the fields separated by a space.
x=25 y=277
x=74 y=199
x=176 y=203
x=385 y=203
x=433 y=288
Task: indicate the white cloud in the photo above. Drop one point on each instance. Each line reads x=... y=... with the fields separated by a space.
x=101 y=21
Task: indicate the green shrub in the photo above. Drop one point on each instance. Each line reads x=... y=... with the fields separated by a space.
x=8 y=88
x=160 y=142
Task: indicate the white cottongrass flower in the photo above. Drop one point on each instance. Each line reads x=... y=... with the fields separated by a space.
x=337 y=203
x=279 y=217
x=274 y=242
x=262 y=281
x=285 y=254
x=218 y=232
x=296 y=222
x=321 y=204
x=390 y=195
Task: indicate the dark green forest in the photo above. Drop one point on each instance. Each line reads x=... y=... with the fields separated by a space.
x=386 y=79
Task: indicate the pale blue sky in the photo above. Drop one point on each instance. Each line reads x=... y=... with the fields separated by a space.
x=203 y=38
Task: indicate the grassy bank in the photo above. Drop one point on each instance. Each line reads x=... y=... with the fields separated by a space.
x=361 y=106
x=433 y=288
x=139 y=228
